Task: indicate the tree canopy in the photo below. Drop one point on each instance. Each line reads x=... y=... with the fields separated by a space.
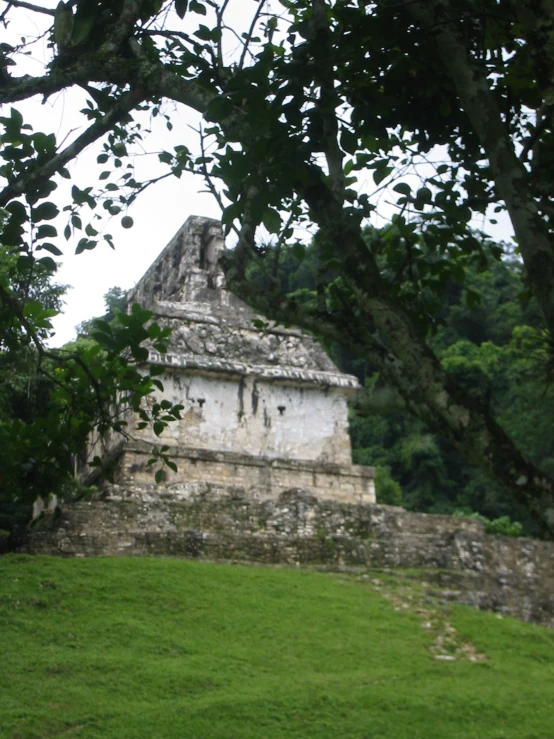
x=444 y=106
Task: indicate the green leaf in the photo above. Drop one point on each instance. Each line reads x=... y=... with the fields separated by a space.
x=46 y=230
x=16 y=118
x=44 y=212
x=84 y=244
x=102 y=326
x=219 y=109
x=231 y=213
x=403 y=188
x=33 y=309
x=197 y=7
x=154 y=330
x=83 y=25
x=140 y=313
x=381 y=173
x=140 y=353
x=44 y=143
x=49 y=263
x=348 y=141
x=424 y=195
x=25 y=262
x=272 y=221
x=51 y=248
x=181 y=7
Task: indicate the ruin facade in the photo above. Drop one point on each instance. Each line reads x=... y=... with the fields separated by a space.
x=264 y=469
x=265 y=410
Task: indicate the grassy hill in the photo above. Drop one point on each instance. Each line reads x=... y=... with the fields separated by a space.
x=159 y=648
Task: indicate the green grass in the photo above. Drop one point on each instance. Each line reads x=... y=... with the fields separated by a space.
x=158 y=648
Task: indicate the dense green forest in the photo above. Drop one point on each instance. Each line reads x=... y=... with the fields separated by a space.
x=28 y=402
x=48 y=408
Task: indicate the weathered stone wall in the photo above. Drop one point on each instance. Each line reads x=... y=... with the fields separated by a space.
x=263 y=418
x=512 y=576
x=258 y=477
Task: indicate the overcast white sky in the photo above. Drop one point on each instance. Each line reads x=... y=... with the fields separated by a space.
x=157 y=214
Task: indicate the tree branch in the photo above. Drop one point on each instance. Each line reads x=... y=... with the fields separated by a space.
x=35 y=176
x=169 y=34
x=209 y=180
x=123 y=27
x=329 y=101
x=23 y=88
x=30 y=6
x=250 y=33
x=510 y=176
x=220 y=12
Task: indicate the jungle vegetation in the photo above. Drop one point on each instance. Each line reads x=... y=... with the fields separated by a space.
x=443 y=106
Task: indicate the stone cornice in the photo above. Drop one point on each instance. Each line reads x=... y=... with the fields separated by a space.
x=215 y=365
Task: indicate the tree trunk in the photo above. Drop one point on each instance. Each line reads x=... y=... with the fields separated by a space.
x=510 y=176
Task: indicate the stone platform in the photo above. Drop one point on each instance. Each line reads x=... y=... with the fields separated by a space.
x=220 y=523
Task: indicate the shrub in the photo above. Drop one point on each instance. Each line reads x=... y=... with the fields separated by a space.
x=502 y=526
x=388 y=491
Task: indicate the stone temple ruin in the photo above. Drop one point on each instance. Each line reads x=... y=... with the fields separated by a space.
x=264 y=469
x=264 y=411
